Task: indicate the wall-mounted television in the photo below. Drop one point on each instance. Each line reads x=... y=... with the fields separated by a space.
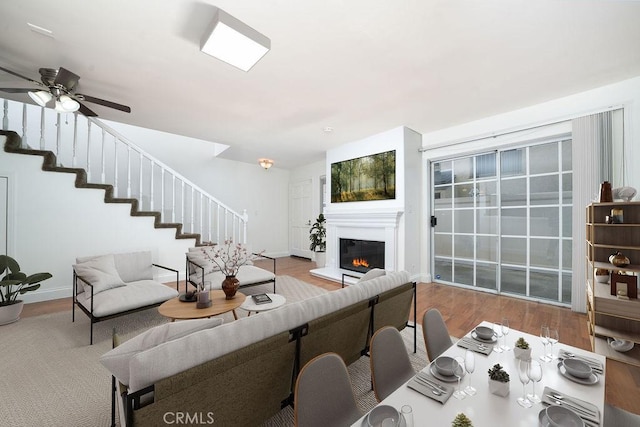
x=365 y=178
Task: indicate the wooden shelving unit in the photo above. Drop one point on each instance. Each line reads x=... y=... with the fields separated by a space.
x=610 y=316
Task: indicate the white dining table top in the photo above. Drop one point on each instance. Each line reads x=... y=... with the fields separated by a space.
x=487 y=409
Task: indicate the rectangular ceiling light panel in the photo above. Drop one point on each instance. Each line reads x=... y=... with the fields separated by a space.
x=234 y=42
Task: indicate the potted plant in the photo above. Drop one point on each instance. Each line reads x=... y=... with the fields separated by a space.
x=498 y=381
x=461 y=420
x=522 y=351
x=228 y=257
x=15 y=283
x=317 y=236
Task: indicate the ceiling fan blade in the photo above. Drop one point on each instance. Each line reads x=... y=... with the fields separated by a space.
x=66 y=78
x=86 y=111
x=21 y=76
x=15 y=90
x=104 y=102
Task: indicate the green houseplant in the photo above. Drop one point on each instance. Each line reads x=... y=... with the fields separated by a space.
x=498 y=380
x=522 y=351
x=14 y=282
x=461 y=420
x=317 y=236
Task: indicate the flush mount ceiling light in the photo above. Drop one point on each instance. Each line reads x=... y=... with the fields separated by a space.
x=234 y=42
x=265 y=163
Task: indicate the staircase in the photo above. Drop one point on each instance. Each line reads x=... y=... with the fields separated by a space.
x=105 y=160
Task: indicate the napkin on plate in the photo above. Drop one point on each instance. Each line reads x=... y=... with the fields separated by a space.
x=471 y=344
x=572 y=403
x=426 y=390
x=595 y=364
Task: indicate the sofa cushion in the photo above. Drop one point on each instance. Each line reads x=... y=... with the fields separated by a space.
x=134 y=295
x=134 y=266
x=372 y=274
x=117 y=360
x=247 y=275
x=101 y=272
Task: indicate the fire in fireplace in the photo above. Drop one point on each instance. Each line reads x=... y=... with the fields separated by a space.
x=361 y=255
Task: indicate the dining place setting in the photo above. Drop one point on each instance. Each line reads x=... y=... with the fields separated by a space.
x=551 y=385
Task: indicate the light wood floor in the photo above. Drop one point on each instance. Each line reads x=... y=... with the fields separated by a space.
x=462 y=309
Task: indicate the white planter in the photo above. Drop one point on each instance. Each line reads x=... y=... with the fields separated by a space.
x=522 y=354
x=499 y=388
x=10 y=313
x=321 y=259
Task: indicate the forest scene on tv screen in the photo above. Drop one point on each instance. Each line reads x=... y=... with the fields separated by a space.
x=365 y=178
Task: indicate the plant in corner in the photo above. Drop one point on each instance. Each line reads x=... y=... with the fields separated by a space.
x=317 y=236
x=461 y=420
x=522 y=351
x=15 y=283
x=498 y=381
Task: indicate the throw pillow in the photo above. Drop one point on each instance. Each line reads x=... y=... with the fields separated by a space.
x=101 y=272
x=372 y=274
x=117 y=359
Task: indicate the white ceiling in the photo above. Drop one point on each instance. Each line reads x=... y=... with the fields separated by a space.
x=358 y=66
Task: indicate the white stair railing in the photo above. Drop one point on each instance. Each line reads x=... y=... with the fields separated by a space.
x=109 y=158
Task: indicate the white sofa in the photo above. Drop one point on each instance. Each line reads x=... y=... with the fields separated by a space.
x=111 y=285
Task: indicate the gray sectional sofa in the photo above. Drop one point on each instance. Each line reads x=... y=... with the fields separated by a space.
x=243 y=372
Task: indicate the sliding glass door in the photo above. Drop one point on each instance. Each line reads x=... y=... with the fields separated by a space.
x=502 y=221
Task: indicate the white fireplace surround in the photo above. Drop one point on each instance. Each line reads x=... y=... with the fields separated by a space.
x=379 y=225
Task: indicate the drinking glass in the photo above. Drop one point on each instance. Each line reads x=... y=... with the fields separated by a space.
x=523 y=375
x=407 y=413
x=469 y=366
x=544 y=337
x=505 y=332
x=497 y=330
x=458 y=371
x=535 y=375
x=553 y=338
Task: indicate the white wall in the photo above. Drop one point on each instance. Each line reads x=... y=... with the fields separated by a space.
x=53 y=223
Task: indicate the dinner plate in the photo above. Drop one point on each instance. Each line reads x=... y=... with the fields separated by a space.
x=447 y=379
x=477 y=338
x=403 y=422
x=590 y=380
x=542 y=418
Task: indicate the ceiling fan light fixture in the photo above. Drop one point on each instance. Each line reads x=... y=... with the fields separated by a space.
x=234 y=42
x=265 y=163
x=41 y=97
x=66 y=104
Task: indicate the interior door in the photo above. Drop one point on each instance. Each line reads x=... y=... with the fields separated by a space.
x=300 y=219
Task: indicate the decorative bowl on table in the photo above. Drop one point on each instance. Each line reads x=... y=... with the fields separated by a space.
x=620 y=345
x=444 y=365
x=484 y=332
x=577 y=368
x=383 y=415
x=560 y=416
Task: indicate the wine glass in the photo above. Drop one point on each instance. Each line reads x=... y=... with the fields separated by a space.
x=497 y=330
x=544 y=337
x=505 y=332
x=469 y=366
x=535 y=375
x=458 y=371
x=523 y=375
x=553 y=338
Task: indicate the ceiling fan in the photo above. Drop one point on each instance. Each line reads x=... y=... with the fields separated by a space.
x=59 y=87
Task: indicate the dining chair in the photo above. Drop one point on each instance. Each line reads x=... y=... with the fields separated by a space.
x=616 y=417
x=389 y=360
x=323 y=395
x=436 y=335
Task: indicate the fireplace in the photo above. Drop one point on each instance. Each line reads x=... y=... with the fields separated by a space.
x=361 y=255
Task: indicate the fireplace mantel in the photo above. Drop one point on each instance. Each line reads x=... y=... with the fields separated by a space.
x=364 y=218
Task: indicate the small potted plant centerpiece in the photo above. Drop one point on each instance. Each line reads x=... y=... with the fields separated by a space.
x=498 y=381
x=15 y=283
x=317 y=236
x=461 y=420
x=522 y=351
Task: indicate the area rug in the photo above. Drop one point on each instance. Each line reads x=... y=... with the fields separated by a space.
x=50 y=376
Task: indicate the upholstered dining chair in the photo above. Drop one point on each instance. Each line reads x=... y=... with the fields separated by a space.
x=616 y=417
x=389 y=360
x=436 y=335
x=323 y=395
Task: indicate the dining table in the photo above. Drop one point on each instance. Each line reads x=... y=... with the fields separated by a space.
x=486 y=409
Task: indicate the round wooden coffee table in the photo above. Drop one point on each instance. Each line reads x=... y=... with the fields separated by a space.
x=176 y=309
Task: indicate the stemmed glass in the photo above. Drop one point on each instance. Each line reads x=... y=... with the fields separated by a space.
x=497 y=329
x=469 y=366
x=553 y=338
x=458 y=371
x=505 y=332
x=523 y=375
x=544 y=336
x=535 y=375
x=407 y=413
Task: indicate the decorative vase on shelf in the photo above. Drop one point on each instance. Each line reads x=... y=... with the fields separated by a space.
x=605 y=192
x=619 y=260
x=602 y=275
x=230 y=285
